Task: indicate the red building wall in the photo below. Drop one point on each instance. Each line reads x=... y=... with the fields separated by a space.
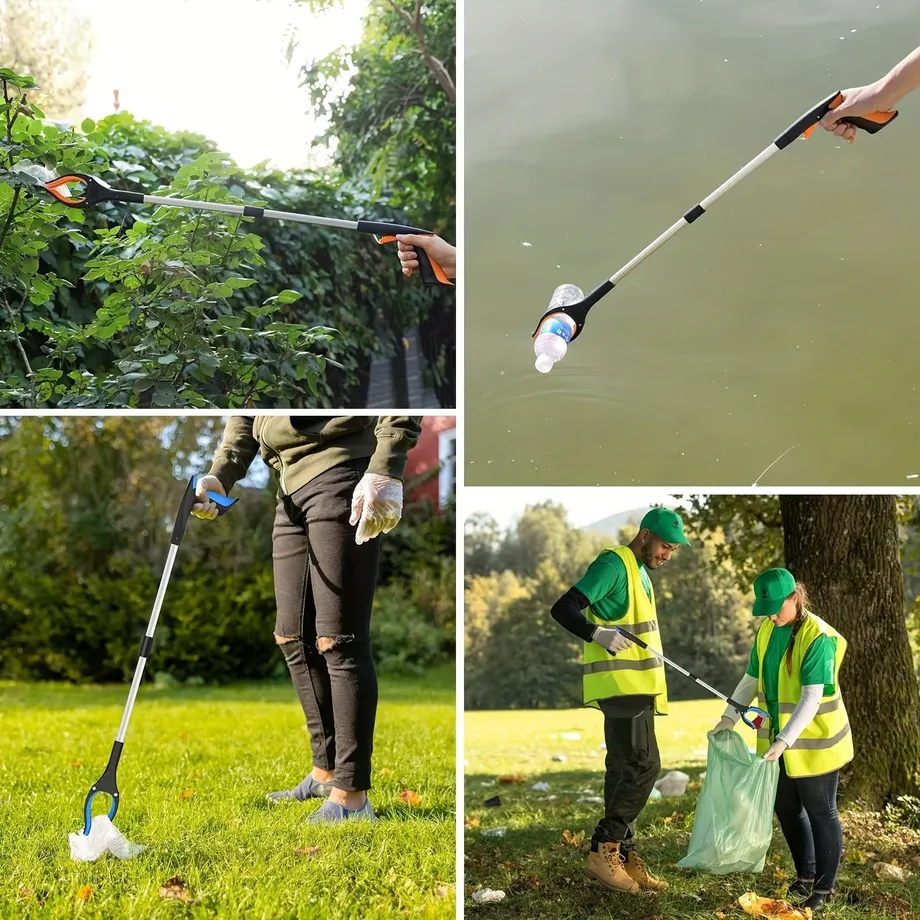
x=424 y=456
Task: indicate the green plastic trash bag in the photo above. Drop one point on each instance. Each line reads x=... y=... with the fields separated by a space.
x=733 y=825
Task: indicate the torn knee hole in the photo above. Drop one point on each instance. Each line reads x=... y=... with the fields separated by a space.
x=328 y=643
x=283 y=640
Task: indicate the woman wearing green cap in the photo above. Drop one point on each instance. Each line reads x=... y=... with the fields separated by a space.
x=794 y=670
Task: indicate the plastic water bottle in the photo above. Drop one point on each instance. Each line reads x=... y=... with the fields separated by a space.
x=556 y=330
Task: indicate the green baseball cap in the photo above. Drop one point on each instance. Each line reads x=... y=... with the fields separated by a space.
x=665 y=524
x=771 y=588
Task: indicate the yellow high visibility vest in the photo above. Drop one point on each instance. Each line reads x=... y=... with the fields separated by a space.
x=633 y=671
x=826 y=744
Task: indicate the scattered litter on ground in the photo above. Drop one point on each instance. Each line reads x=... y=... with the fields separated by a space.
x=540 y=787
x=103 y=837
x=559 y=758
x=494 y=832
x=488 y=896
x=591 y=799
x=655 y=796
x=494 y=802
x=673 y=784
x=571 y=736
x=510 y=779
x=888 y=873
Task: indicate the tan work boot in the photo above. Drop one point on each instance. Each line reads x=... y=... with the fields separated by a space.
x=606 y=867
x=635 y=869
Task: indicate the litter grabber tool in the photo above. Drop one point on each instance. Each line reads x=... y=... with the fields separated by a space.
x=568 y=308
x=751 y=716
x=107 y=783
x=96 y=190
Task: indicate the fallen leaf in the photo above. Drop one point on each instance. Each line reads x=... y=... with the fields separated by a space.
x=30 y=894
x=385 y=771
x=76 y=763
x=772 y=909
x=889 y=873
x=183 y=736
x=573 y=839
x=512 y=778
x=410 y=798
x=470 y=823
x=186 y=794
x=309 y=852
x=916 y=861
x=174 y=889
x=444 y=891
x=84 y=893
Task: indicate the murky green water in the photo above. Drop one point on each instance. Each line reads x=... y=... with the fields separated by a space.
x=788 y=315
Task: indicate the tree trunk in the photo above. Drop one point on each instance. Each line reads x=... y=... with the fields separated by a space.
x=844 y=549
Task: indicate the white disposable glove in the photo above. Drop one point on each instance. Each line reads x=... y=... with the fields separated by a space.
x=376 y=506
x=724 y=724
x=610 y=639
x=775 y=750
x=205 y=508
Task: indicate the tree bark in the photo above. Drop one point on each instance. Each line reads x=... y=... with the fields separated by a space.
x=845 y=550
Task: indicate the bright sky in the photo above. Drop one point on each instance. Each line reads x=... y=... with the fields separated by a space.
x=216 y=67
x=585 y=505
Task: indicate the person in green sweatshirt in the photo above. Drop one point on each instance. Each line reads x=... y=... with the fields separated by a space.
x=340 y=488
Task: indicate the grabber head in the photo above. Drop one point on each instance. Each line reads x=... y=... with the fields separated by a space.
x=755 y=718
x=108 y=784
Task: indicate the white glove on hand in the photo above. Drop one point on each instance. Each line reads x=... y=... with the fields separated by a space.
x=610 y=639
x=205 y=508
x=724 y=724
x=376 y=506
x=775 y=750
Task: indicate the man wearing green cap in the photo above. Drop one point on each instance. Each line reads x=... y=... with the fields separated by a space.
x=627 y=684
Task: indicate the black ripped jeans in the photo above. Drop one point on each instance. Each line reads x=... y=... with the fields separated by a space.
x=807 y=813
x=324 y=591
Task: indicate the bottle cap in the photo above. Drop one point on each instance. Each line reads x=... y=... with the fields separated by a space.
x=544 y=363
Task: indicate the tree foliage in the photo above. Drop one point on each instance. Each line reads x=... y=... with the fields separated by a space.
x=86 y=512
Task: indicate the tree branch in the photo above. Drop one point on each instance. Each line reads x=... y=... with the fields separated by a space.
x=416 y=27
x=30 y=374
x=9 y=217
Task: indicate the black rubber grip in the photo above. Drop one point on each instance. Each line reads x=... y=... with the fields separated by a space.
x=694 y=213
x=249 y=211
x=385 y=229
x=131 y=197
x=426 y=269
x=146 y=646
x=185 y=509
x=865 y=124
x=813 y=116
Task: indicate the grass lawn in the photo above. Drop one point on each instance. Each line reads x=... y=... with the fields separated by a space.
x=541 y=873
x=196 y=766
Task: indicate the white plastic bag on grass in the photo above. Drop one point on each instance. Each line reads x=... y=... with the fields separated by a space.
x=103 y=837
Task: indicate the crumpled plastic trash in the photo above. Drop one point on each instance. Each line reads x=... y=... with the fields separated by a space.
x=571 y=736
x=674 y=783
x=888 y=873
x=103 y=837
x=772 y=909
x=591 y=799
x=494 y=832
x=540 y=787
x=655 y=795
x=488 y=896
x=559 y=758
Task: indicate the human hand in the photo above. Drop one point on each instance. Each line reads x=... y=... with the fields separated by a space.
x=611 y=639
x=376 y=506
x=205 y=508
x=775 y=750
x=438 y=251
x=860 y=100
x=724 y=724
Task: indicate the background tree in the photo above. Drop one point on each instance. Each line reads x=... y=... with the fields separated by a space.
x=50 y=40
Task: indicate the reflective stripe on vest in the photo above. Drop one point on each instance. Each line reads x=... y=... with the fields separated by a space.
x=826 y=743
x=634 y=671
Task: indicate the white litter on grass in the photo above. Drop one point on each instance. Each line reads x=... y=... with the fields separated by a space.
x=488 y=896
x=889 y=873
x=913 y=475
x=559 y=758
x=592 y=799
x=540 y=787
x=528 y=245
x=571 y=736
x=494 y=832
x=36 y=171
x=674 y=784
x=103 y=837
x=654 y=796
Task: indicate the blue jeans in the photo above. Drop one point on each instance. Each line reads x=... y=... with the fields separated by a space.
x=807 y=813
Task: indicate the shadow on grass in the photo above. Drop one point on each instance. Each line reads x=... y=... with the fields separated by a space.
x=539 y=860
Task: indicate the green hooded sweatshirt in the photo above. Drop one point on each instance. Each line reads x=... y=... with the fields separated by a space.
x=299 y=448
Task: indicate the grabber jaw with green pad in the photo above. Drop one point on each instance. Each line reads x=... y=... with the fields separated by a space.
x=567 y=315
x=108 y=783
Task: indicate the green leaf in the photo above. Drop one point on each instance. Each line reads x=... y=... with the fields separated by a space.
x=168 y=359
x=284 y=297
x=87 y=125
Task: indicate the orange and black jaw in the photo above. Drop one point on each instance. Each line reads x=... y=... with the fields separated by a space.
x=431 y=271
x=578 y=311
x=95 y=190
